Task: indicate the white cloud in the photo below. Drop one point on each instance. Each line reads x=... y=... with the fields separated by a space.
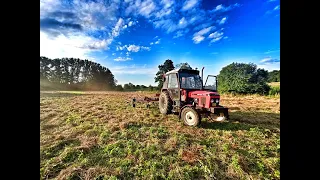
x=204 y=31
x=189 y=4
x=95 y=15
x=222 y=8
x=163 y=13
x=219 y=7
x=269 y=63
x=269 y=60
x=276 y=8
x=271 y=0
x=147 y=7
x=123 y=59
x=116 y=29
x=133 y=48
x=130 y=23
x=166 y=24
x=97 y=44
x=215 y=39
x=157 y=42
x=125 y=26
x=144 y=8
x=215 y=34
x=113 y=54
x=178 y=34
x=197 y=39
x=198 y=36
x=128 y=53
x=183 y=22
x=120 y=48
x=77 y=45
x=223 y=20
x=167 y=3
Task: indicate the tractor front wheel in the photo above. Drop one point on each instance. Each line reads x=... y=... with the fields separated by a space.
x=165 y=103
x=190 y=116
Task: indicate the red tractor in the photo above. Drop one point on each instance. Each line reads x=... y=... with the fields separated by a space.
x=183 y=93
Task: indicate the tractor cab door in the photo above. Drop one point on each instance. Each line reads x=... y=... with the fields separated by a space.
x=211 y=83
x=173 y=88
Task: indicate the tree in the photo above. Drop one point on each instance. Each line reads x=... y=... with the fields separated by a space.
x=165 y=67
x=119 y=88
x=143 y=87
x=126 y=86
x=183 y=66
x=72 y=73
x=274 y=76
x=243 y=78
x=150 y=88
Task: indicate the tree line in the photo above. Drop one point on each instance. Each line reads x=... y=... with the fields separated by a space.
x=74 y=74
x=77 y=74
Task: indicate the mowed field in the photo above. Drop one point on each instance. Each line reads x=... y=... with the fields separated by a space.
x=99 y=135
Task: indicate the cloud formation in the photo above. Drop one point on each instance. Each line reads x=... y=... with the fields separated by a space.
x=99 y=23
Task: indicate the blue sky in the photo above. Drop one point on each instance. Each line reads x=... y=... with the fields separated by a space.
x=132 y=37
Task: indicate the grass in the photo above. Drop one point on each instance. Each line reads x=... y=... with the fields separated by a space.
x=274 y=84
x=98 y=135
x=275 y=89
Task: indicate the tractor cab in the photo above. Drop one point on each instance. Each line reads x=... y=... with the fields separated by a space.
x=184 y=88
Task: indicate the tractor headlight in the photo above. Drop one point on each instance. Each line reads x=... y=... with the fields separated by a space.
x=212 y=101
x=217 y=101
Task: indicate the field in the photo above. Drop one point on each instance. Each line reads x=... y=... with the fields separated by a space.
x=98 y=135
x=274 y=84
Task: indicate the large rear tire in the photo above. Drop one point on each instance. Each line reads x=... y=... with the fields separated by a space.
x=190 y=116
x=165 y=103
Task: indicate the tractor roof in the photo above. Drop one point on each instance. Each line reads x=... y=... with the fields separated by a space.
x=193 y=71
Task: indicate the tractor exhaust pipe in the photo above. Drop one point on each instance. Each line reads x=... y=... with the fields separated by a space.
x=202 y=77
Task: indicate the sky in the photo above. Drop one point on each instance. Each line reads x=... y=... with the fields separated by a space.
x=133 y=37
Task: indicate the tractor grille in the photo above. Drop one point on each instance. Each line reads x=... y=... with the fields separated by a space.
x=203 y=100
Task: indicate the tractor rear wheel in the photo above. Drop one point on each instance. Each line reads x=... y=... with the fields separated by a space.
x=165 y=103
x=190 y=116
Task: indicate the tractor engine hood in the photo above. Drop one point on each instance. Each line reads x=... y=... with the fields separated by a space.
x=202 y=93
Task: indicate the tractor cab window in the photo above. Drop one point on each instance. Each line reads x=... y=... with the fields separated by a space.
x=173 y=81
x=211 y=83
x=190 y=81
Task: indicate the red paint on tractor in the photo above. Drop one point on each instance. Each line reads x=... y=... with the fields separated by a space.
x=200 y=94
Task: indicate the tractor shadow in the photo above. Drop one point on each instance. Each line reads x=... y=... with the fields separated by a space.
x=244 y=121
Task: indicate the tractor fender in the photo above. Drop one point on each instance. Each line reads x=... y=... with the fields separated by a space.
x=188 y=105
